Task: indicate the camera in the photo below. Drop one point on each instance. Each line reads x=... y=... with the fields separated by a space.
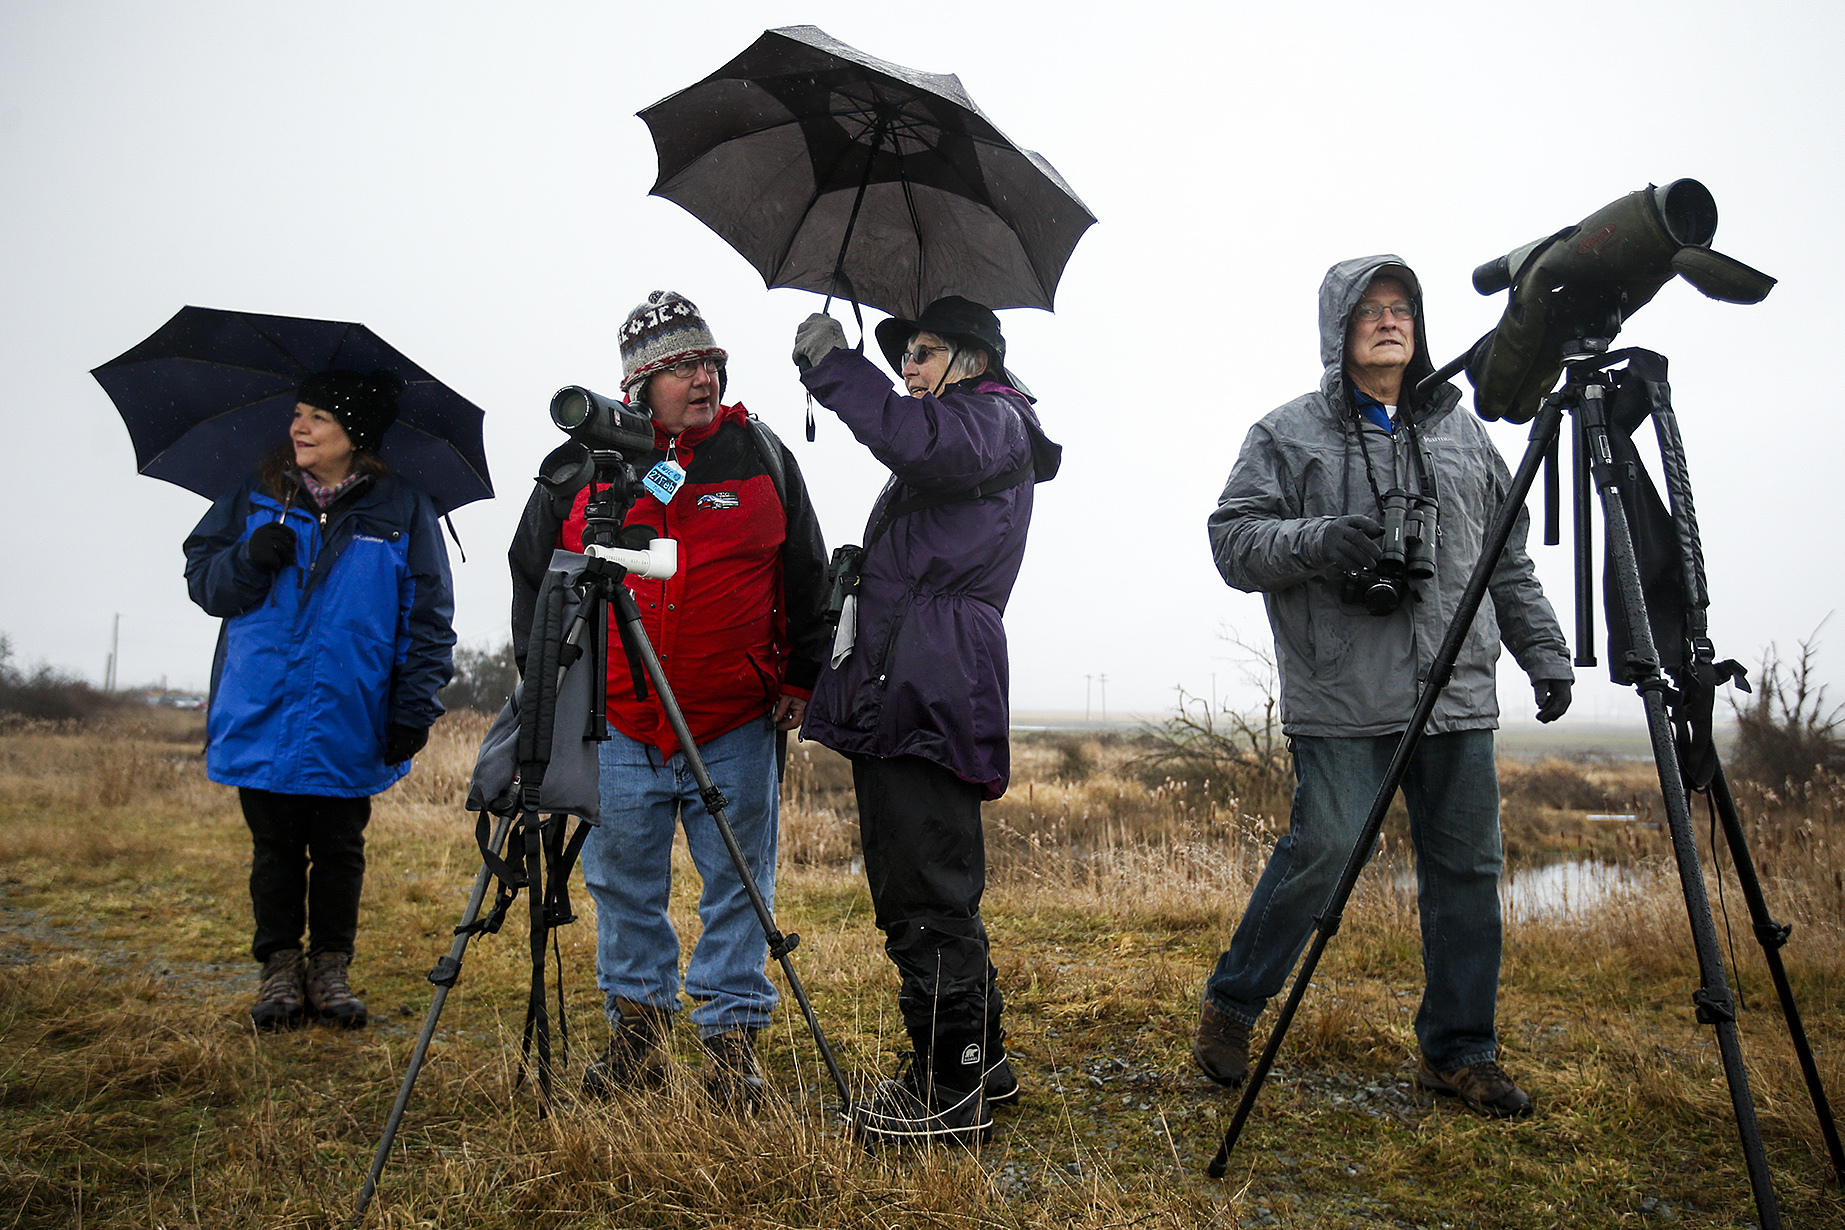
x=1409 y=555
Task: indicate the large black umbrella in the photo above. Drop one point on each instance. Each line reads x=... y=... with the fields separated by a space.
x=836 y=172
x=211 y=392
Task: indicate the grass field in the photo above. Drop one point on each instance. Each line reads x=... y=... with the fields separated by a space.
x=133 y=1094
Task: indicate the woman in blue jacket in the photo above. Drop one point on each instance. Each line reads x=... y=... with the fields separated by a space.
x=333 y=584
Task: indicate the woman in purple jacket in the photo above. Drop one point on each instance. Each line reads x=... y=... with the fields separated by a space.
x=915 y=692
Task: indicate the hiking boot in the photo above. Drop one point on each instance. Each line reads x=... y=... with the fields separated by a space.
x=1221 y=1048
x=734 y=1078
x=926 y=1104
x=1001 y=1083
x=1483 y=1086
x=635 y=1057
x=281 y=1001
x=328 y=995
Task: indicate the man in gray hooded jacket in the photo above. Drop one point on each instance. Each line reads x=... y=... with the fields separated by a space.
x=1302 y=511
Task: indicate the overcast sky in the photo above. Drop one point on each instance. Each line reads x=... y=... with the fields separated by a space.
x=469 y=180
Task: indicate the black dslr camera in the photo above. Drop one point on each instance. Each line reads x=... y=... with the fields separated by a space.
x=1409 y=555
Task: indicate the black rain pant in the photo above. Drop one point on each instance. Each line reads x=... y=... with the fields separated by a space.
x=307 y=867
x=925 y=859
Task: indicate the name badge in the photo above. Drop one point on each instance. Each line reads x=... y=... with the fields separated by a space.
x=664 y=480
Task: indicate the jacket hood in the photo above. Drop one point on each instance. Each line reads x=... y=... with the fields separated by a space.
x=1340 y=291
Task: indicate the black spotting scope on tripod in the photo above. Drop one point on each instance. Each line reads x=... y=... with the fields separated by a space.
x=1570 y=294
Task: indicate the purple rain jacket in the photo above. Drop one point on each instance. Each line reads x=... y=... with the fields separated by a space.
x=927 y=676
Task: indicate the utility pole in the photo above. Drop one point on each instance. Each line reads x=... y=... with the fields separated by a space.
x=115 y=646
x=1103 y=680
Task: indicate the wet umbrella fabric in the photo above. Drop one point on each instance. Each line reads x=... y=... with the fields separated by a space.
x=813 y=159
x=211 y=392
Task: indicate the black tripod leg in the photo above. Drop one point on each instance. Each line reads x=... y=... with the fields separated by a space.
x=1771 y=935
x=779 y=945
x=1326 y=924
x=446 y=973
x=1715 y=1006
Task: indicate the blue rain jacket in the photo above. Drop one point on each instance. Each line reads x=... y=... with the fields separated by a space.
x=316 y=662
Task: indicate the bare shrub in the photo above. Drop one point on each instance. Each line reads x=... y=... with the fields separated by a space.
x=483 y=679
x=1785 y=733
x=1221 y=752
x=47 y=694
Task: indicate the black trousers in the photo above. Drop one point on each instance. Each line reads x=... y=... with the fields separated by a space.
x=925 y=858
x=307 y=866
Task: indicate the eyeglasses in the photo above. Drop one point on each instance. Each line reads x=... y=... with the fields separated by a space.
x=691 y=367
x=920 y=355
x=1374 y=311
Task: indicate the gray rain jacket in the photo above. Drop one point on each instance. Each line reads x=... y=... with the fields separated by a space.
x=1346 y=673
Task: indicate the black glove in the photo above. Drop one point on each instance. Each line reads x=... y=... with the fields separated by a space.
x=272 y=546
x=1553 y=698
x=1351 y=541
x=815 y=338
x=403 y=742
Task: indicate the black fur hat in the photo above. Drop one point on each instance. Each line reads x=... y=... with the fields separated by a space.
x=365 y=403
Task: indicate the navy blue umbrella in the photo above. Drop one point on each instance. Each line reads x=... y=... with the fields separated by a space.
x=211 y=392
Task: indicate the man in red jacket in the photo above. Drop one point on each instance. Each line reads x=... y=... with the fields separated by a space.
x=739 y=630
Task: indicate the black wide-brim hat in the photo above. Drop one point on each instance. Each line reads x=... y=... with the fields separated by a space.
x=948 y=317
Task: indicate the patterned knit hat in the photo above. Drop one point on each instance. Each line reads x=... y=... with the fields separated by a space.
x=665 y=330
x=365 y=403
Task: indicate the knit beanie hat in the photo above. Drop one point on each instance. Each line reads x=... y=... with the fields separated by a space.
x=665 y=330
x=365 y=403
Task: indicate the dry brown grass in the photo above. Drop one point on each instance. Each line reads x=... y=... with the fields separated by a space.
x=132 y=1095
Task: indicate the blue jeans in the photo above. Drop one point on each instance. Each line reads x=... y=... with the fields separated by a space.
x=627 y=866
x=1452 y=793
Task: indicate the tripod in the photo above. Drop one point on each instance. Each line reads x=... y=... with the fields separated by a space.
x=1585 y=395
x=534 y=805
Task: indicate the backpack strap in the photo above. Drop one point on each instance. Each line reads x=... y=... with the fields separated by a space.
x=770 y=450
x=903 y=508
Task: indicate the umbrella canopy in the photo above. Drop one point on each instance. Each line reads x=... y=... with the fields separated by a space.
x=211 y=392
x=836 y=172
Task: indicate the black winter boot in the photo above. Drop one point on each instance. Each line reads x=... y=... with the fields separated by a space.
x=939 y=1097
x=1002 y=1084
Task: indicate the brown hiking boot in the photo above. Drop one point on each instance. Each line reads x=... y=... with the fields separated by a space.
x=1221 y=1048
x=1483 y=1086
x=734 y=1079
x=281 y=1002
x=635 y=1057
x=328 y=995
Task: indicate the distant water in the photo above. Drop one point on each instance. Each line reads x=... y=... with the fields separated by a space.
x=1533 y=891
x=1558 y=890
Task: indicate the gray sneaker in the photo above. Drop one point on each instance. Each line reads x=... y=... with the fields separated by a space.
x=1483 y=1086
x=1221 y=1048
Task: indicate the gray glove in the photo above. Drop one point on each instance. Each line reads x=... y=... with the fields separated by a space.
x=816 y=337
x=1351 y=541
x=1553 y=698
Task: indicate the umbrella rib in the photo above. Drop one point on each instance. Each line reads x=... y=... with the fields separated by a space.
x=839 y=262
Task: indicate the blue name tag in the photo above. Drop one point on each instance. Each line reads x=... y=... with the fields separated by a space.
x=664 y=480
